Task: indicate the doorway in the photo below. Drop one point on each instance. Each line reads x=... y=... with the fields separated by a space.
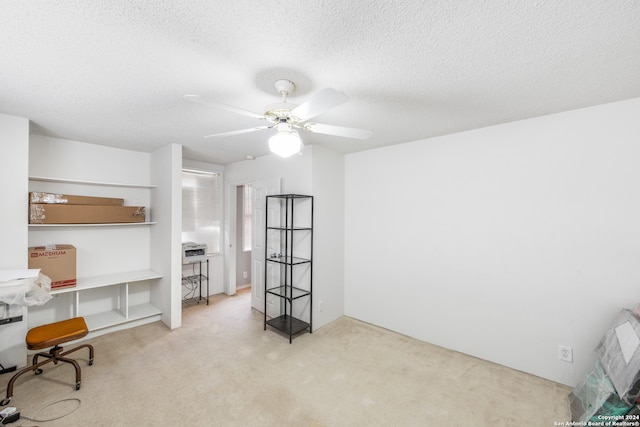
x=243 y=243
x=259 y=191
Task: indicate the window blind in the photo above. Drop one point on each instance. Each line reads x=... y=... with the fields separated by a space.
x=201 y=209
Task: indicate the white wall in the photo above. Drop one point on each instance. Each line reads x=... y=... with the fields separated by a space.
x=295 y=171
x=14 y=173
x=502 y=242
x=328 y=235
x=55 y=157
x=14 y=176
x=166 y=236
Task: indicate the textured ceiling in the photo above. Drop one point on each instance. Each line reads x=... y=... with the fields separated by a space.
x=114 y=72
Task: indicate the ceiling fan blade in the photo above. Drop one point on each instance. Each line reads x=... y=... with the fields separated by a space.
x=338 y=131
x=200 y=100
x=238 y=132
x=322 y=101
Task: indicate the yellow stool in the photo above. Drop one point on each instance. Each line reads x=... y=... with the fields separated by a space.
x=52 y=335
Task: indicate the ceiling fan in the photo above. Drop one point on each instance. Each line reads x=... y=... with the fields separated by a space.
x=286 y=118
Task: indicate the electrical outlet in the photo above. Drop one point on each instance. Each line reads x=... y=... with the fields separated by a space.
x=244 y=274
x=565 y=353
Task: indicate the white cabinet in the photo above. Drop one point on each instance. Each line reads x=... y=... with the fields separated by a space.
x=104 y=301
x=115 y=284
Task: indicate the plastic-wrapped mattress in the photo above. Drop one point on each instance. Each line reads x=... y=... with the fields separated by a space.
x=32 y=290
x=618 y=353
x=595 y=395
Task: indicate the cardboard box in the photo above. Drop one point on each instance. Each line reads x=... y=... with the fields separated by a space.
x=40 y=213
x=58 y=262
x=68 y=199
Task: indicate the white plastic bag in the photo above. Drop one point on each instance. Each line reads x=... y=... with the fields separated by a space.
x=29 y=291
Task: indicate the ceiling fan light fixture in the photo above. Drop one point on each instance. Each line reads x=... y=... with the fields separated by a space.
x=285 y=116
x=285 y=143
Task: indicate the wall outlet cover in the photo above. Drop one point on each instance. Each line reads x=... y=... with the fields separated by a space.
x=565 y=353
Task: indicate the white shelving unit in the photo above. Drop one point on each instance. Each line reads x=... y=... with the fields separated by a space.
x=122 y=286
x=111 y=298
x=119 y=224
x=77 y=181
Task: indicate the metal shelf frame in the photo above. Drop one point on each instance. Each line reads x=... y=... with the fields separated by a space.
x=285 y=289
x=197 y=278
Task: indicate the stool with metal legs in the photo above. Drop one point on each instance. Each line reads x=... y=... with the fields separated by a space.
x=52 y=335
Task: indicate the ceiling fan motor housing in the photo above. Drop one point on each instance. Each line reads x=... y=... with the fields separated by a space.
x=279 y=110
x=275 y=113
x=284 y=87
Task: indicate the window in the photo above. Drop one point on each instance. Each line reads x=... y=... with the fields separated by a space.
x=202 y=208
x=246 y=217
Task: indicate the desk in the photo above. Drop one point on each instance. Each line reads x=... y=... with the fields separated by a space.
x=18 y=290
x=13 y=329
x=10 y=313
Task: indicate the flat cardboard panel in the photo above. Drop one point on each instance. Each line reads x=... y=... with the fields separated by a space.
x=40 y=213
x=68 y=199
x=58 y=262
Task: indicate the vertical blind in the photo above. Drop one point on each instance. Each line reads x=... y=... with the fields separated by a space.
x=201 y=208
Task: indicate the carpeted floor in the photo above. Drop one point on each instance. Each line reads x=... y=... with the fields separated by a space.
x=222 y=369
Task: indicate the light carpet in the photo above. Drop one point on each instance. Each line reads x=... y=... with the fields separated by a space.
x=222 y=369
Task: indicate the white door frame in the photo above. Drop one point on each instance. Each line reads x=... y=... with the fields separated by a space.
x=230 y=235
x=260 y=190
x=230 y=276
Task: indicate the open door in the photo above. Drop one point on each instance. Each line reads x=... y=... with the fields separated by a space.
x=261 y=190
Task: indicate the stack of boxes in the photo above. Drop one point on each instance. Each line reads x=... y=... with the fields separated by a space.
x=58 y=261
x=612 y=388
x=49 y=208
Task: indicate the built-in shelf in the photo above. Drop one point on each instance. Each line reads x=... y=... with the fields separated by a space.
x=103 y=320
x=109 y=280
x=80 y=299
x=81 y=182
x=123 y=297
x=143 y=310
x=108 y=224
x=111 y=318
x=105 y=301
